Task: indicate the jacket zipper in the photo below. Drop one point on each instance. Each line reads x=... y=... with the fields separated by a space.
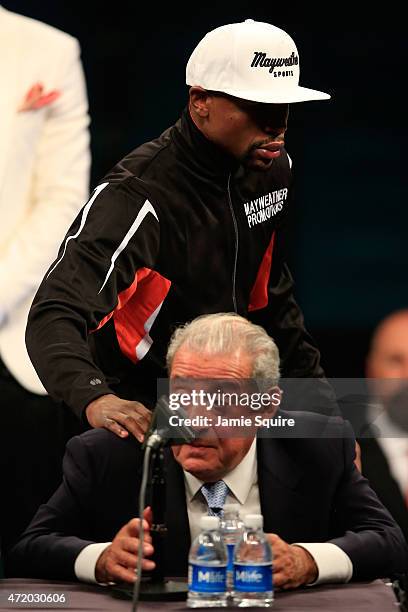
x=234 y=271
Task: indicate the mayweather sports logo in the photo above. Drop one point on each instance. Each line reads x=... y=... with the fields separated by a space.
x=262 y=61
x=263 y=208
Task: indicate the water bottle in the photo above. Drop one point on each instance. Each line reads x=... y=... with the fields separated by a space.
x=253 y=566
x=231 y=528
x=207 y=567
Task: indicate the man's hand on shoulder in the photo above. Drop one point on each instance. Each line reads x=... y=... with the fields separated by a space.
x=119 y=416
x=293 y=566
x=118 y=561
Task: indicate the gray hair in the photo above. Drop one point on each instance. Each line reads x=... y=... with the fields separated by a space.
x=224 y=332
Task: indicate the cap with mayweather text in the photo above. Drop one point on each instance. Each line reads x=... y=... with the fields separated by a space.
x=250 y=60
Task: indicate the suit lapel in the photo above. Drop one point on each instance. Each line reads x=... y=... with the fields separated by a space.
x=10 y=57
x=278 y=477
x=178 y=537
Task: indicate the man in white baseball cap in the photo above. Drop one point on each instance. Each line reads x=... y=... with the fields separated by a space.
x=191 y=223
x=251 y=70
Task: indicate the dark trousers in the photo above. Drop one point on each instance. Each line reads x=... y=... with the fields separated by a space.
x=33 y=432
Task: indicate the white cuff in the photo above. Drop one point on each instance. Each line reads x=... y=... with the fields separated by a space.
x=333 y=564
x=85 y=563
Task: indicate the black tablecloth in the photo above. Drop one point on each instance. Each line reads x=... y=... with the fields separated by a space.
x=355 y=597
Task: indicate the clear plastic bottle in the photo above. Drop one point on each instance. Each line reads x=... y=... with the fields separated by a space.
x=231 y=528
x=253 y=566
x=207 y=567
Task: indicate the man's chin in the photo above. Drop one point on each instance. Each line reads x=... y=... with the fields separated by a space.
x=198 y=466
x=257 y=164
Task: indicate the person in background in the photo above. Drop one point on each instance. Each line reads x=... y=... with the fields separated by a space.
x=384 y=444
x=44 y=176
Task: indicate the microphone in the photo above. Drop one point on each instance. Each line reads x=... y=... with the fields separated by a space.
x=161 y=433
x=155 y=587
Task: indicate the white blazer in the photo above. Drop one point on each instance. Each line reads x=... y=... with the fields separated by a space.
x=44 y=170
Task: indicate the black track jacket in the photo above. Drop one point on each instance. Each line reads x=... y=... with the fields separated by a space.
x=175 y=230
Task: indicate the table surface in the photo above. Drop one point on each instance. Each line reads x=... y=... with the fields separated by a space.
x=373 y=596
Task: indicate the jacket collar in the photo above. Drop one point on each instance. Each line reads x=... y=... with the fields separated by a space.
x=203 y=156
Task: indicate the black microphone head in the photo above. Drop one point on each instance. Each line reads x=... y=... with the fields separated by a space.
x=167 y=434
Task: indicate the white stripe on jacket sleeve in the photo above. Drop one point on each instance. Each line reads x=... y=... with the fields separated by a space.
x=145 y=210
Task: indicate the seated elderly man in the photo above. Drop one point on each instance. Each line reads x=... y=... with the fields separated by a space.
x=324 y=522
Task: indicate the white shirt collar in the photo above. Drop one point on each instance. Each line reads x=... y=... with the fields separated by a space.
x=239 y=480
x=386 y=427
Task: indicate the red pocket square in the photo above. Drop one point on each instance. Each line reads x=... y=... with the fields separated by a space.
x=36 y=98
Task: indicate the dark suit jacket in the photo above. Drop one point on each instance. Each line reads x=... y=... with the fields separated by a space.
x=309 y=490
x=376 y=469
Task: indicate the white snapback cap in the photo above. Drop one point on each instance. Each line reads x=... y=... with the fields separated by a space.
x=250 y=60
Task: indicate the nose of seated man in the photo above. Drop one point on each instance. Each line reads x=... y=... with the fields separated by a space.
x=207 y=380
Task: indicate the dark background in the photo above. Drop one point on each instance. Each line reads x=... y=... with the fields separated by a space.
x=349 y=241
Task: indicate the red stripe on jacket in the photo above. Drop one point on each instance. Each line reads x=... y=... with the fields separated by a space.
x=133 y=313
x=259 y=293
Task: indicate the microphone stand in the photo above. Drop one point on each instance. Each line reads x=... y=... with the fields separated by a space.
x=155 y=587
x=158 y=529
